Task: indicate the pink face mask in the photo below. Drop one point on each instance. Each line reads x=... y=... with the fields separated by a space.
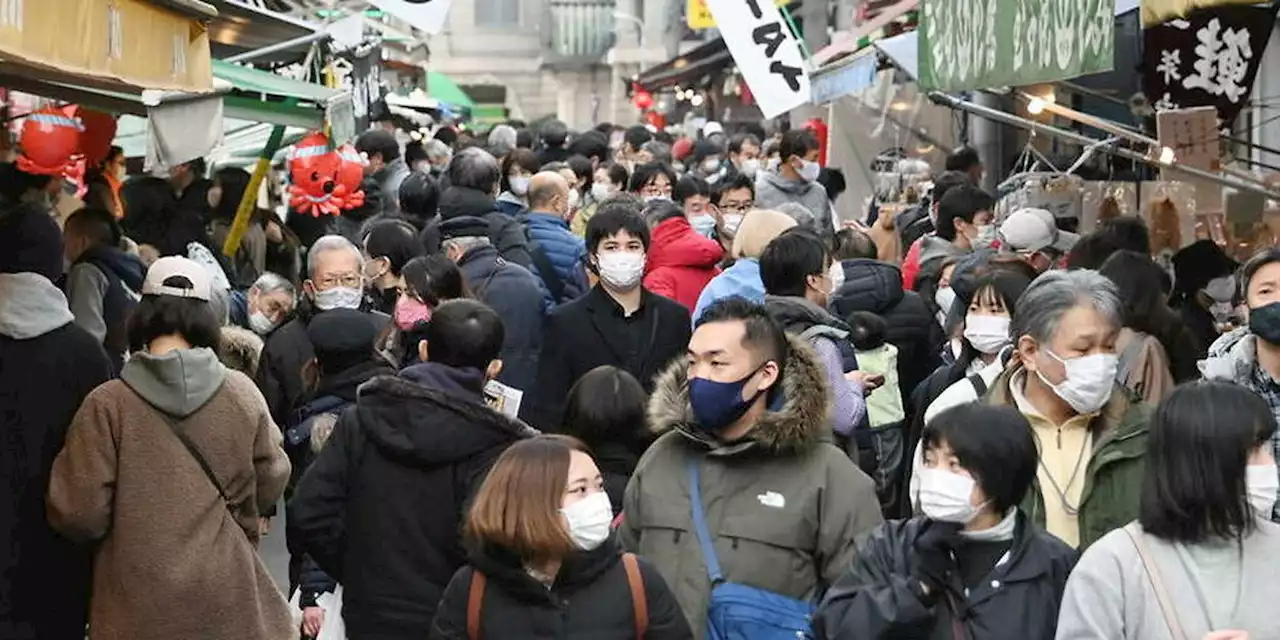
x=410 y=312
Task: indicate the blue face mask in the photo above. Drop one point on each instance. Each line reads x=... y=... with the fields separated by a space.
x=717 y=405
x=704 y=225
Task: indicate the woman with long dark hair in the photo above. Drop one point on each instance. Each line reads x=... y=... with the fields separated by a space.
x=1201 y=559
x=229 y=185
x=425 y=283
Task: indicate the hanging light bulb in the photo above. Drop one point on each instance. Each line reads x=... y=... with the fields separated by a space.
x=696 y=100
x=1036 y=106
x=1167 y=156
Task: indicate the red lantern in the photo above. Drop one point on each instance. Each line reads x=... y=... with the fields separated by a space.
x=350 y=174
x=642 y=99
x=313 y=171
x=819 y=129
x=50 y=137
x=99 y=132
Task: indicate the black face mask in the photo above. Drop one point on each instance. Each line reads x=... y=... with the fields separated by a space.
x=1264 y=322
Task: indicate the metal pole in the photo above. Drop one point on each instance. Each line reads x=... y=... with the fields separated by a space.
x=1083 y=140
x=318 y=36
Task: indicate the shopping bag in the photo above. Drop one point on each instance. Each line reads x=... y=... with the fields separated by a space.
x=295 y=608
x=333 y=628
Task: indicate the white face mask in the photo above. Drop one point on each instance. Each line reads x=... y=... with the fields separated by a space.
x=750 y=167
x=1221 y=289
x=600 y=191
x=987 y=334
x=945 y=297
x=621 y=270
x=1262 y=483
x=732 y=221
x=946 y=496
x=338 y=298
x=260 y=323
x=589 y=520
x=809 y=171
x=1089 y=382
x=986 y=235
x=711 y=165
x=519 y=185
x=648 y=199
x=836 y=275
x=703 y=224
x=574 y=199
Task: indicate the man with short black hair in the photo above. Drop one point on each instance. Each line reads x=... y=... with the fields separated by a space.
x=744 y=155
x=386 y=166
x=473 y=177
x=381 y=508
x=796 y=179
x=554 y=136
x=918 y=222
x=635 y=137
x=618 y=322
x=104 y=282
x=744 y=434
x=966 y=161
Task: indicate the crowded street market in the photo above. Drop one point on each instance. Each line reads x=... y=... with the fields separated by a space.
x=639 y=319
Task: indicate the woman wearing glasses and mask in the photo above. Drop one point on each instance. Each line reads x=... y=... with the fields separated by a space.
x=1201 y=560
x=974 y=566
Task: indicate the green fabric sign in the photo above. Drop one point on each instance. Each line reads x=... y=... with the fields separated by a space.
x=981 y=44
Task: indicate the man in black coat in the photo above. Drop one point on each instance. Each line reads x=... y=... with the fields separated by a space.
x=473 y=178
x=618 y=322
x=48 y=365
x=381 y=508
x=335 y=280
x=518 y=296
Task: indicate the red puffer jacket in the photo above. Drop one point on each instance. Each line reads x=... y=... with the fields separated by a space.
x=680 y=262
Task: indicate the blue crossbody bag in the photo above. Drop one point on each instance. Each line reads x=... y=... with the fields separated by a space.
x=737 y=611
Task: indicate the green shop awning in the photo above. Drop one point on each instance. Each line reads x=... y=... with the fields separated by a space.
x=260 y=96
x=444 y=89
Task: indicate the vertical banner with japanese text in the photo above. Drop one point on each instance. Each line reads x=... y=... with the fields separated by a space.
x=765 y=51
x=982 y=44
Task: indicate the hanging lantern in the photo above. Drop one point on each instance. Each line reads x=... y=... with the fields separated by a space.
x=642 y=99
x=99 y=131
x=50 y=138
x=350 y=174
x=819 y=129
x=313 y=172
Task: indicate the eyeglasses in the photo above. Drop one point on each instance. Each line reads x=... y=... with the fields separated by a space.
x=348 y=280
x=736 y=207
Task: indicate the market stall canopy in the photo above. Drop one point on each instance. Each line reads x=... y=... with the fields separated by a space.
x=242 y=27
x=446 y=91
x=242 y=140
x=125 y=45
x=707 y=58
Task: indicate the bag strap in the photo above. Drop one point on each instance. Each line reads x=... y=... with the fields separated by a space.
x=545 y=269
x=700 y=524
x=639 y=602
x=979 y=385
x=176 y=426
x=1157 y=582
x=475 y=600
x=1129 y=355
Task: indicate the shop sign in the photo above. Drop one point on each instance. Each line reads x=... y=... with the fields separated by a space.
x=698 y=15
x=765 y=51
x=845 y=79
x=982 y=44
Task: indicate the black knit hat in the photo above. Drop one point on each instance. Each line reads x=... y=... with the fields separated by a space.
x=30 y=242
x=342 y=338
x=464 y=227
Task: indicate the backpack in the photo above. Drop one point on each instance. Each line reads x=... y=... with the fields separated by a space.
x=639 y=602
x=546 y=270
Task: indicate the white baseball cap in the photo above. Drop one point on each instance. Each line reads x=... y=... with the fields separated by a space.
x=176 y=266
x=712 y=128
x=1034 y=230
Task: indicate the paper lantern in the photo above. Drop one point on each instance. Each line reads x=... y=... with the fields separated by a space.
x=642 y=99
x=50 y=138
x=99 y=132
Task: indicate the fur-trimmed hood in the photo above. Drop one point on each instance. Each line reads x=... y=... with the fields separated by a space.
x=796 y=419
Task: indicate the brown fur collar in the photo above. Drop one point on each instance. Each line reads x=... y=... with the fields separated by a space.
x=802 y=420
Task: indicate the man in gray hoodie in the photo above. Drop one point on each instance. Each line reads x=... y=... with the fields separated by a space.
x=796 y=179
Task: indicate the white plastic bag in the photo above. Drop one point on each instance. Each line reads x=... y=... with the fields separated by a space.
x=333 y=628
x=295 y=608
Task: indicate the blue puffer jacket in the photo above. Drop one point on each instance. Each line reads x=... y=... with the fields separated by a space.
x=566 y=252
x=518 y=297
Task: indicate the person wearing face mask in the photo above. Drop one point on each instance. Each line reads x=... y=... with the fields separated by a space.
x=796 y=271
x=964 y=225
x=652 y=181
x=742 y=278
x=426 y=282
x=744 y=155
x=609 y=180
x=732 y=198
x=742 y=421
x=103 y=183
x=1200 y=560
x=334 y=281
x=264 y=306
x=517 y=171
x=1033 y=235
x=973 y=565
x=388 y=247
x=707 y=161
x=559 y=256
x=796 y=179
x=618 y=322
x=382 y=506
x=1204 y=291
x=515 y=294
x=541 y=556
x=683 y=258
x=1062 y=377
x=1250 y=356
x=1144 y=365
x=473 y=177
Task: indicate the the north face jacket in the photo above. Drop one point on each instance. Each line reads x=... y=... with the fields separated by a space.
x=784 y=505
